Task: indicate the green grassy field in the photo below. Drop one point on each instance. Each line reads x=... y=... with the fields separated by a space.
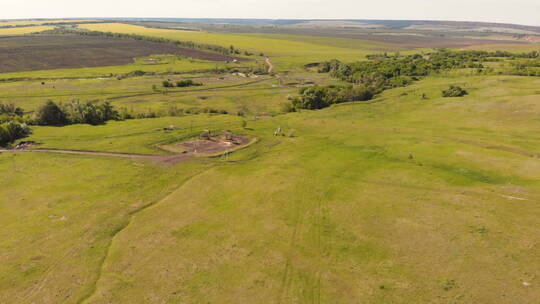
x=400 y=199
x=407 y=201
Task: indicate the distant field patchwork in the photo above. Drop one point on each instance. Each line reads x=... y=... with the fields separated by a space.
x=23 y=30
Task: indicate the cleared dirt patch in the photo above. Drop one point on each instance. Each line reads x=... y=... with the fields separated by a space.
x=46 y=52
x=214 y=144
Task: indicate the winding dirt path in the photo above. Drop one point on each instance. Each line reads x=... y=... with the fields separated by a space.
x=271 y=70
x=270 y=65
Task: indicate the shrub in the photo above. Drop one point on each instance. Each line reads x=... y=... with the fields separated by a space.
x=11 y=131
x=89 y=112
x=50 y=114
x=187 y=83
x=75 y=112
x=313 y=98
x=10 y=109
x=167 y=84
x=454 y=91
x=287 y=107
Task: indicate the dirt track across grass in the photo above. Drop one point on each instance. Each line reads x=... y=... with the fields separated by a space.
x=167 y=159
x=193 y=149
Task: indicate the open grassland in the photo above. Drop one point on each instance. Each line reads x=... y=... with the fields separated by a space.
x=396 y=200
x=24 y=30
x=287 y=52
x=74 y=205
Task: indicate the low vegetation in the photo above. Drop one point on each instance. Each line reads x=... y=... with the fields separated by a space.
x=454 y=91
x=313 y=98
x=181 y=83
x=13 y=124
x=187 y=83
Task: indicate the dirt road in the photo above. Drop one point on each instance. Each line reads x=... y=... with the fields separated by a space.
x=167 y=159
x=270 y=65
x=193 y=149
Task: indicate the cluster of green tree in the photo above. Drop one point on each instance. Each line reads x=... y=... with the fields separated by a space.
x=13 y=125
x=383 y=69
x=525 y=68
x=318 y=97
x=187 y=83
x=74 y=112
x=181 y=83
x=9 y=110
x=454 y=91
x=188 y=44
x=10 y=131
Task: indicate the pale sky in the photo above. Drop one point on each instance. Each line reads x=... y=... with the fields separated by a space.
x=525 y=12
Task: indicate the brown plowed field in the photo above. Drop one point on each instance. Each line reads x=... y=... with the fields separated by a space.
x=43 y=52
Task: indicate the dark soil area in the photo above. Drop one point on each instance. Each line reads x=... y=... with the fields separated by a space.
x=46 y=52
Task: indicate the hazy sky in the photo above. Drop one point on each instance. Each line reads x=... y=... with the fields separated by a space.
x=510 y=11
